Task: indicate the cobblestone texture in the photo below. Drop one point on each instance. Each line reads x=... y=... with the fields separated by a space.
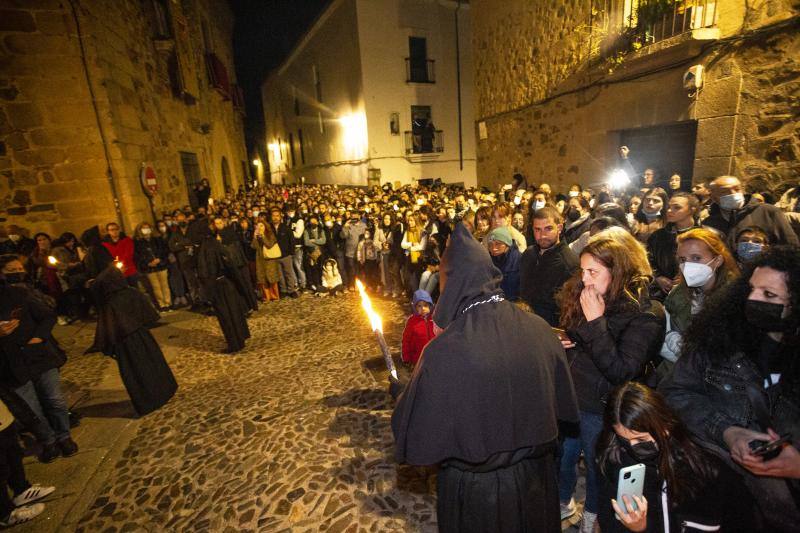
x=292 y=434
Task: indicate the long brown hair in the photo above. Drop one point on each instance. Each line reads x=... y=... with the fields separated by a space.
x=684 y=466
x=630 y=273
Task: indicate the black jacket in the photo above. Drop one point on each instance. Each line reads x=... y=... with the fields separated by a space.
x=20 y=361
x=285 y=237
x=613 y=349
x=146 y=250
x=767 y=217
x=712 y=395
x=182 y=245
x=542 y=275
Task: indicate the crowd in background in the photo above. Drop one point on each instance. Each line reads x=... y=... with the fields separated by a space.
x=691 y=289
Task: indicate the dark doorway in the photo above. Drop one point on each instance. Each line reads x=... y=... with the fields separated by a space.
x=226 y=175
x=191 y=175
x=667 y=149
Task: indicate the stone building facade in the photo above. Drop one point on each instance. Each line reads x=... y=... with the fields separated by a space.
x=93 y=91
x=560 y=85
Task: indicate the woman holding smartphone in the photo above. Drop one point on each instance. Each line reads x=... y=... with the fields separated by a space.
x=685 y=488
x=613 y=335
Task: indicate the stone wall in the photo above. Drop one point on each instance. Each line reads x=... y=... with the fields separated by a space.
x=554 y=112
x=54 y=170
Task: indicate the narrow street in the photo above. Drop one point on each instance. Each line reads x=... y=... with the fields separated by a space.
x=291 y=434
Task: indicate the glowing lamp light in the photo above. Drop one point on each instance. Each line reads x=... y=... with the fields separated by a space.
x=354 y=134
x=257 y=162
x=52 y=260
x=618 y=179
x=275 y=148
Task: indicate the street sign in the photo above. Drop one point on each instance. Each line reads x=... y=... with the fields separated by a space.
x=149 y=180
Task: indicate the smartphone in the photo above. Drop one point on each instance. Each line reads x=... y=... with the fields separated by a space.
x=768 y=449
x=630 y=484
x=562 y=335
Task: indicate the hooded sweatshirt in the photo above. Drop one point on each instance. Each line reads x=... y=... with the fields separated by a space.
x=494 y=381
x=418 y=331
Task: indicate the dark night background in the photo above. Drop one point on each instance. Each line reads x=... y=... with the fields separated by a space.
x=264 y=34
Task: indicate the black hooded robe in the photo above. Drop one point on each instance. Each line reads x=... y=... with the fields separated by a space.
x=230 y=308
x=484 y=402
x=238 y=271
x=124 y=315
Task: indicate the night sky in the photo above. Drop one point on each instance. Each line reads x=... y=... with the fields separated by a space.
x=265 y=33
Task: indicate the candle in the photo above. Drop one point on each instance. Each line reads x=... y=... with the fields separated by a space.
x=117 y=263
x=52 y=260
x=377 y=327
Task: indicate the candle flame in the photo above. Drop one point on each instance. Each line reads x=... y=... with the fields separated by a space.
x=366 y=304
x=52 y=260
x=117 y=263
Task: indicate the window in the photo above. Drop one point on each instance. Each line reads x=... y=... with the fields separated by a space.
x=291 y=148
x=419 y=69
x=162 y=26
x=317 y=83
x=321 y=122
x=296 y=101
x=302 y=149
x=423 y=138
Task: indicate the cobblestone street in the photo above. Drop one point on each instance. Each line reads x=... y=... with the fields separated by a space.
x=293 y=433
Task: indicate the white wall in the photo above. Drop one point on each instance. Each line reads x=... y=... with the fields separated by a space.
x=384 y=28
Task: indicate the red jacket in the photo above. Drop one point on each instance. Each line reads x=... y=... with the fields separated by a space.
x=122 y=250
x=417 y=333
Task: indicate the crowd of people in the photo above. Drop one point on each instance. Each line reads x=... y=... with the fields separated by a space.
x=664 y=329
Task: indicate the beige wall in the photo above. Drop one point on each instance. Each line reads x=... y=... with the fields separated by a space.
x=54 y=167
x=528 y=53
x=362 y=70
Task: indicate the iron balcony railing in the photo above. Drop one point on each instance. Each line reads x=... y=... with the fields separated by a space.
x=651 y=21
x=420 y=70
x=424 y=142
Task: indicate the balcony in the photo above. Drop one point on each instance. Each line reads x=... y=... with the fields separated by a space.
x=423 y=145
x=650 y=21
x=420 y=70
x=218 y=75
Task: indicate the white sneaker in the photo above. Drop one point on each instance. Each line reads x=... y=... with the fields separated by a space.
x=568 y=509
x=62 y=320
x=23 y=514
x=587 y=522
x=34 y=493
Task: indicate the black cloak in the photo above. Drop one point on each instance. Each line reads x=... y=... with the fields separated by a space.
x=230 y=308
x=124 y=315
x=238 y=271
x=484 y=401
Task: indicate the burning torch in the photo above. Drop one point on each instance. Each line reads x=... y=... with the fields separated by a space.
x=377 y=327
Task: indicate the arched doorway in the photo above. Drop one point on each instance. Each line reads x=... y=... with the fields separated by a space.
x=226 y=175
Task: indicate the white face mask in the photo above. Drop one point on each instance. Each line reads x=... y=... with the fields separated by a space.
x=146 y=231
x=733 y=201
x=696 y=274
x=573 y=194
x=329 y=223
x=538 y=204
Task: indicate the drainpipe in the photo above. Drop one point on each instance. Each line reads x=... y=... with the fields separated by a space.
x=458 y=89
x=109 y=172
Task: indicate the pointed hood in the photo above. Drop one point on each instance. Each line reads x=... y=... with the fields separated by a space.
x=466 y=275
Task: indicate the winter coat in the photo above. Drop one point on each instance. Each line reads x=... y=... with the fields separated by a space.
x=184 y=249
x=268 y=271
x=542 y=275
x=146 y=250
x=620 y=346
x=351 y=233
x=767 y=217
x=418 y=331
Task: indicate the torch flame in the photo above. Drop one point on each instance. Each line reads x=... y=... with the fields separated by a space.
x=374 y=318
x=52 y=260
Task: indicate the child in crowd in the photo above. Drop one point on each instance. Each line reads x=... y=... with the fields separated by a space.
x=331 y=280
x=419 y=327
x=367 y=256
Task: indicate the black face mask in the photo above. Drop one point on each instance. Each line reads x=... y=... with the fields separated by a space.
x=183 y=223
x=643 y=451
x=573 y=215
x=765 y=316
x=15 y=277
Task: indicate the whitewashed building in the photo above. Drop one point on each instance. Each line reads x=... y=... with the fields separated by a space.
x=376 y=91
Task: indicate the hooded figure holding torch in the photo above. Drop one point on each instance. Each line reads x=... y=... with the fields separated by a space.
x=484 y=402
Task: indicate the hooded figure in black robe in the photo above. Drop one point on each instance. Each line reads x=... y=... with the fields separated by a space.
x=124 y=315
x=238 y=271
x=213 y=269
x=484 y=403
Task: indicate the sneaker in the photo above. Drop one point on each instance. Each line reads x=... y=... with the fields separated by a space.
x=68 y=447
x=34 y=493
x=568 y=509
x=50 y=452
x=62 y=320
x=22 y=514
x=587 y=522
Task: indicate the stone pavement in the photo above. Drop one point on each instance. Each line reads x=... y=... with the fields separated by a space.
x=291 y=434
